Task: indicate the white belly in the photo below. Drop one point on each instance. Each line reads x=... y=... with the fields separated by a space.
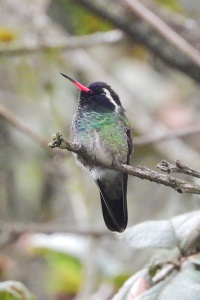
x=98 y=150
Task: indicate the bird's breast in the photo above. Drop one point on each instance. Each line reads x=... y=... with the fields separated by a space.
x=103 y=136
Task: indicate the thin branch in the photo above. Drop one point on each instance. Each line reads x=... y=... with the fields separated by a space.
x=153 y=138
x=164 y=30
x=63 y=44
x=180 y=186
x=11 y=118
x=180 y=167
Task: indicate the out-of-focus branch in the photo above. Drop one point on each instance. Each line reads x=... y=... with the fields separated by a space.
x=164 y=30
x=63 y=44
x=153 y=138
x=11 y=118
x=138 y=141
x=180 y=186
x=176 y=45
x=10 y=232
x=140 y=31
x=180 y=167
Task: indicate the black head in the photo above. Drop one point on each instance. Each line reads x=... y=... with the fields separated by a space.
x=98 y=94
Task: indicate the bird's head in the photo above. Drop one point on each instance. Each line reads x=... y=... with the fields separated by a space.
x=98 y=94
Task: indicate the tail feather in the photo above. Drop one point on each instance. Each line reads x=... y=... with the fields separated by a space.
x=113 y=201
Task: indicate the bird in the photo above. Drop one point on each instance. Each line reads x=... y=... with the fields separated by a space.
x=102 y=128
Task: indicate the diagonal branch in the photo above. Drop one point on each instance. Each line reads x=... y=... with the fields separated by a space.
x=11 y=118
x=181 y=186
x=164 y=30
x=140 y=31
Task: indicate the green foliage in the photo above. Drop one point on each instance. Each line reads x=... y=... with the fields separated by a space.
x=28 y=84
x=78 y=20
x=13 y=290
x=64 y=272
x=120 y=279
x=6 y=34
x=172 y=4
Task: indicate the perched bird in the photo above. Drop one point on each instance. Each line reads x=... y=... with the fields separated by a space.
x=101 y=126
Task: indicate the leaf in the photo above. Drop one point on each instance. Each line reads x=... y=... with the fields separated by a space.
x=195 y=259
x=180 y=232
x=153 y=293
x=6 y=34
x=179 y=285
x=183 y=285
x=139 y=287
x=14 y=290
x=154 y=234
x=187 y=228
x=64 y=273
x=128 y=285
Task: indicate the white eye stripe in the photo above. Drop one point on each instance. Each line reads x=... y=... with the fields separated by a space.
x=109 y=97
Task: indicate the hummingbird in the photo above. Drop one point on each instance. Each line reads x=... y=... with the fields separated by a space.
x=101 y=126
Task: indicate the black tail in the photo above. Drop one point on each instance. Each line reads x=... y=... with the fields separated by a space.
x=113 y=201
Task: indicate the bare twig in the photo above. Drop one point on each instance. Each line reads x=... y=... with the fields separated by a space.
x=153 y=138
x=180 y=186
x=11 y=118
x=180 y=167
x=162 y=28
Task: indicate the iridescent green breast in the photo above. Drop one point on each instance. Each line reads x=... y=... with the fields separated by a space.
x=102 y=132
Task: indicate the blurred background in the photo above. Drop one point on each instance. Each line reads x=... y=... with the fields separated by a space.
x=38 y=40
